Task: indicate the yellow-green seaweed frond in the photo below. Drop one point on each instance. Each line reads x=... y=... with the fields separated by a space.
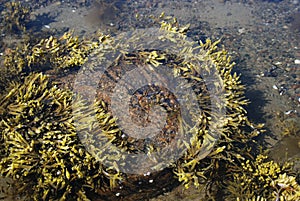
x=265 y=178
x=15 y=17
x=41 y=150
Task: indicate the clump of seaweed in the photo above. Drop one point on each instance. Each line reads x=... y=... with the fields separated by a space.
x=263 y=179
x=39 y=146
x=290 y=126
x=286 y=188
x=51 y=53
x=215 y=138
x=15 y=17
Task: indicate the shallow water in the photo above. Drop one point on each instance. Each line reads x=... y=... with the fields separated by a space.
x=262 y=37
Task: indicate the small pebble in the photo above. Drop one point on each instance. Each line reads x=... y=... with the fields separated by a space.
x=151 y=181
x=47 y=26
x=290 y=112
x=242 y=30
x=297 y=61
x=147 y=174
x=275 y=87
x=285 y=27
x=278 y=63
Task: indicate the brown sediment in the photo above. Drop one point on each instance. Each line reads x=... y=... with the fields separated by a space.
x=295 y=24
x=102 y=14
